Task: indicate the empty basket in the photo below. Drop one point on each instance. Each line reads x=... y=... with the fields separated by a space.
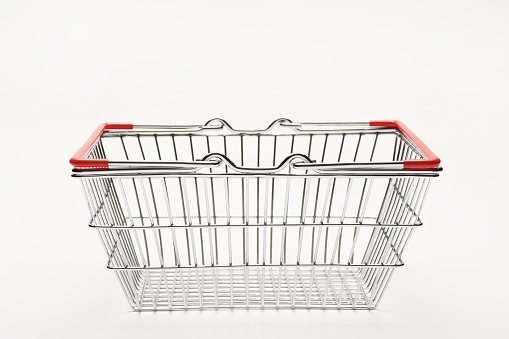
x=298 y=215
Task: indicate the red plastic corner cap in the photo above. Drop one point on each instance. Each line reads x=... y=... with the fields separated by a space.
x=78 y=161
x=432 y=161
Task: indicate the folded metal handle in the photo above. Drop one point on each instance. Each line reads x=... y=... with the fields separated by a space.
x=291 y=159
x=221 y=123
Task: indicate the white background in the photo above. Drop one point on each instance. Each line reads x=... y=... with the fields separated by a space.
x=440 y=66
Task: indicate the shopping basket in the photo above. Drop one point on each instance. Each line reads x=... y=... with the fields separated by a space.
x=298 y=215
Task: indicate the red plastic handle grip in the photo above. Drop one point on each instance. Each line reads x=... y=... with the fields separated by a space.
x=432 y=161
x=78 y=161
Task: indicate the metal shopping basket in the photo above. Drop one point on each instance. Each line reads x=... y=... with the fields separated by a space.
x=298 y=215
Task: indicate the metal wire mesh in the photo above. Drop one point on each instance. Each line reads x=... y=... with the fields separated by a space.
x=253 y=229
x=328 y=287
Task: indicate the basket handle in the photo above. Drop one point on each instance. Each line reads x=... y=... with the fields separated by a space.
x=221 y=123
x=432 y=161
x=291 y=159
x=78 y=159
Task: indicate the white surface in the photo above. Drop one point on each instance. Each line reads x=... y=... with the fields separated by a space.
x=66 y=66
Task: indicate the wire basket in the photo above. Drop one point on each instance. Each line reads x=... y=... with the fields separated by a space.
x=299 y=215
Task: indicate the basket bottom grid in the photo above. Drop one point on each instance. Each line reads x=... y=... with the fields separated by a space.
x=256 y=287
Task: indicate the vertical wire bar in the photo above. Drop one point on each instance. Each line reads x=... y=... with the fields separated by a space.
x=318 y=290
x=409 y=211
x=122 y=191
x=186 y=202
x=415 y=199
x=305 y=195
x=267 y=182
x=279 y=286
x=151 y=288
x=396 y=141
x=227 y=193
x=244 y=219
x=307 y=296
x=361 y=288
x=197 y=203
x=163 y=277
x=200 y=278
x=400 y=186
x=142 y=221
x=185 y=210
x=207 y=209
x=302 y=219
x=231 y=287
x=143 y=289
x=101 y=202
x=394 y=183
x=213 y=203
x=319 y=180
x=334 y=181
x=287 y=196
x=402 y=246
x=173 y=288
x=337 y=246
x=347 y=196
x=227 y=197
x=243 y=202
x=311 y=280
x=116 y=202
x=258 y=205
x=314 y=256
x=389 y=276
x=246 y=285
x=376 y=231
x=384 y=243
x=290 y=293
x=390 y=189
x=357 y=148
x=216 y=291
x=394 y=255
x=285 y=217
x=405 y=200
x=387 y=247
x=246 y=229
x=196 y=185
x=125 y=289
x=344 y=278
x=157 y=241
x=419 y=210
x=401 y=198
x=262 y=286
x=272 y=200
x=368 y=194
x=94 y=202
x=331 y=284
x=90 y=209
x=322 y=218
x=183 y=287
x=170 y=218
x=357 y=230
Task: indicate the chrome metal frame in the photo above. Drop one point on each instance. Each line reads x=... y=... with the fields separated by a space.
x=260 y=226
